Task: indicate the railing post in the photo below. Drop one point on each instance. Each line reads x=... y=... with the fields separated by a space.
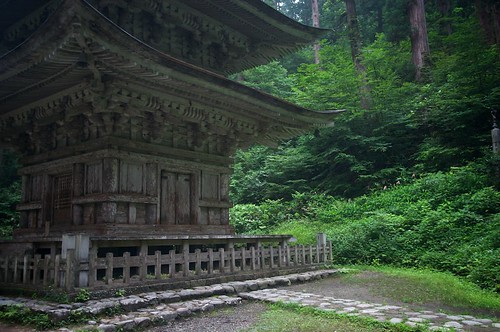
x=222 y=261
x=6 y=266
x=46 y=270
x=92 y=266
x=16 y=269
x=303 y=249
x=232 y=263
x=243 y=259
x=252 y=253
x=171 y=266
x=57 y=271
x=271 y=257
x=36 y=271
x=330 y=251
x=109 y=268
x=26 y=263
x=185 y=264
x=280 y=256
x=210 y=267
x=157 y=264
x=126 y=268
x=262 y=258
x=288 y=258
x=197 y=253
x=69 y=278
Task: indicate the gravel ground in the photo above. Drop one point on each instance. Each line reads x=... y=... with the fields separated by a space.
x=226 y=320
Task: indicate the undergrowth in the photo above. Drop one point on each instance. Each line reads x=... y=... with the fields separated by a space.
x=442 y=221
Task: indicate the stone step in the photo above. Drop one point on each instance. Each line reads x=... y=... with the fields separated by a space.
x=381 y=312
x=146 y=301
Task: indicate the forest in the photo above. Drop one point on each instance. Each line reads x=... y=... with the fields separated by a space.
x=406 y=176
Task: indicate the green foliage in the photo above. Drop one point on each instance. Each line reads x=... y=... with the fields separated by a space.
x=17 y=314
x=444 y=221
x=83 y=295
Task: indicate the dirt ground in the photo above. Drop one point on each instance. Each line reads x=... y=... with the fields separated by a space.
x=366 y=286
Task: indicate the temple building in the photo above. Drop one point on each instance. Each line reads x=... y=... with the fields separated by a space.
x=124 y=117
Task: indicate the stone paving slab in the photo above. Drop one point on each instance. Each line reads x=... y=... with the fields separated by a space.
x=143 y=309
x=384 y=313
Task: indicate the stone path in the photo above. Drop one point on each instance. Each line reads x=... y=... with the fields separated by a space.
x=380 y=312
x=139 y=311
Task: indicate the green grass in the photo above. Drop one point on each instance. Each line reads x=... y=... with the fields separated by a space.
x=425 y=286
x=293 y=318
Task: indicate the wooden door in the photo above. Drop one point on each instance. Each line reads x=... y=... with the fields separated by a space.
x=61 y=199
x=175 y=202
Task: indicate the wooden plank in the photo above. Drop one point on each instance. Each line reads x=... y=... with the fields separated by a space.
x=57 y=271
x=126 y=268
x=26 y=263
x=271 y=257
x=296 y=255
x=69 y=279
x=310 y=257
x=110 y=171
x=168 y=201
x=158 y=264
x=222 y=261
x=232 y=265
x=143 y=253
x=92 y=266
x=109 y=268
x=252 y=255
x=151 y=175
x=16 y=270
x=171 y=266
x=6 y=269
x=262 y=254
x=46 y=270
x=210 y=266
x=303 y=250
x=243 y=259
x=198 y=262
x=183 y=199
x=36 y=269
x=185 y=262
x=280 y=256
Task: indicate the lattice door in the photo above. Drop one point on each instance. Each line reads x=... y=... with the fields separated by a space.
x=61 y=202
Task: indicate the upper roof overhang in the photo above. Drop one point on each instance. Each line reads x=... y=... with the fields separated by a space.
x=78 y=45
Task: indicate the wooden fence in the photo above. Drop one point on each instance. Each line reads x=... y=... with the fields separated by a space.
x=123 y=270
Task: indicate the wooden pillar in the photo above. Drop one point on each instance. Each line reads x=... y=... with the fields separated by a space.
x=110 y=171
x=78 y=191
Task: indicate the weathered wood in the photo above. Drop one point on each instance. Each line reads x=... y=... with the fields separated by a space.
x=171 y=266
x=6 y=269
x=252 y=255
x=198 y=261
x=158 y=264
x=210 y=266
x=109 y=268
x=92 y=266
x=57 y=271
x=243 y=259
x=36 y=269
x=46 y=270
x=26 y=263
x=15 y=277
x=69 y=280
x=232 y=265
x=222 y=261
x=271 y=257
x=310 y=254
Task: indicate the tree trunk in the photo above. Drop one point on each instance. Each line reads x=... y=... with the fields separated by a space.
x=444 y=7
x=489 y=19
x=315 y=18
x=355 y=39
x=419 y=40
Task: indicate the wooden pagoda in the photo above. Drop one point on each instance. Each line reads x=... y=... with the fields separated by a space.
x=123 y=115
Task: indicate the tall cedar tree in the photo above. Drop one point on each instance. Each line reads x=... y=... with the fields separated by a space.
x=419 y=40
x=357 y=57
x=489 y=18
x=315 y=19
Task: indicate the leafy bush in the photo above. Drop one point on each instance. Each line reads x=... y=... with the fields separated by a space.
x=443 y=221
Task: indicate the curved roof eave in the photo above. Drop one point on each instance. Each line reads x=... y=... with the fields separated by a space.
x=58 y=26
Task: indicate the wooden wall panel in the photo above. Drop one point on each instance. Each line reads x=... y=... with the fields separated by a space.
x=131 y=177
x=210 y=186
x=167 y=199
x=93 y=178
x=183 y=199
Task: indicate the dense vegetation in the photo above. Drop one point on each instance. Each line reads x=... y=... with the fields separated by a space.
x=406 y=176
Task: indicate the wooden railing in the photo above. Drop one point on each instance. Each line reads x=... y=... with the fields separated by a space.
x=65 y=272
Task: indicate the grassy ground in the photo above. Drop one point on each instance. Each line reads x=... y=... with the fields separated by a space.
x=426 y=289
